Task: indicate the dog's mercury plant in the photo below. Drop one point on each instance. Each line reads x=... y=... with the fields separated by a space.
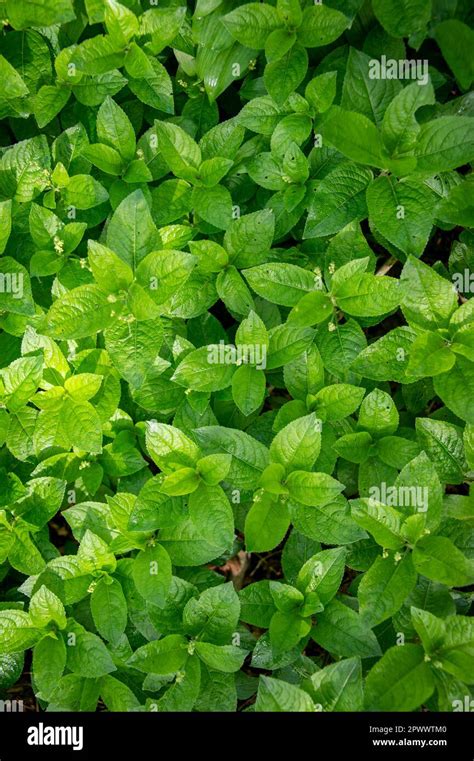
x=237 y=355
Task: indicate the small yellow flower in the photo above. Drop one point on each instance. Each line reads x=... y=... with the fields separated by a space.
x=58 y=245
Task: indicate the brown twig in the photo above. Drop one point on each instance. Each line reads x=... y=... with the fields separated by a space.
x=386 y=266
x=238 y=578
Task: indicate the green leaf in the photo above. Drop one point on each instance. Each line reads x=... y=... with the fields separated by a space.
x=284 y=75
x=378 y=414
x=98 y=55
x=84 y=192
x=365 y=295
x=274 y=695
x=162 y=656
x=87 y=656
x=337 y=401
x=257 y=605
x=403 y=18
x=214 y=205
x=354 y=135
x=214 y=468
x=226 y=658
x=266 y=523
x=205 y=532
x=338 y=199
x=384 y=523
x=427 y=496
x=457 y=207
x=321 y=91
x=297 y=446
x=249 y=456
x=313 y=488
x=339 y=345
x=313 y=308
x=46 y=607
x=195 y=370
x=183 y=692
x=440 y=560
x=248 y=388
x=252 y=23
x=81 y=312
x=110 y=272
x=430 y=355
x=6 y=223
x=213 y=616
x=322 y=573
x=278 y=43
x=82 y=426
x=385 y=587
x=17 y=630
x=44 y=13
x=248 y=237
x=48 y=102
x=403 y=212
x=116 y=695
x=363 y=93
x=162 y=273
x=115 y=129
x=443 y=444
x=342 y=632
x=233 y=291
x=286 y=630
x=121 y=23
x=444 y=144
x=337 y=687
x=320 y=26
x=15 y=287
x=21 y=379
x=454 y=387
x=400 y=681
x=182 y=481
x=109 y=609
x=280 y=283
x=428 y=300
x=455 y=651
x=152 y=574
x=179 y=150
x=455 y=39
x=131 y=233
x=49 y=661
x=154 y=87
x=386 y=358
x=399 y=126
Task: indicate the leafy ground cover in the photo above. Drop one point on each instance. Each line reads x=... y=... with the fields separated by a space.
x=236 y=355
